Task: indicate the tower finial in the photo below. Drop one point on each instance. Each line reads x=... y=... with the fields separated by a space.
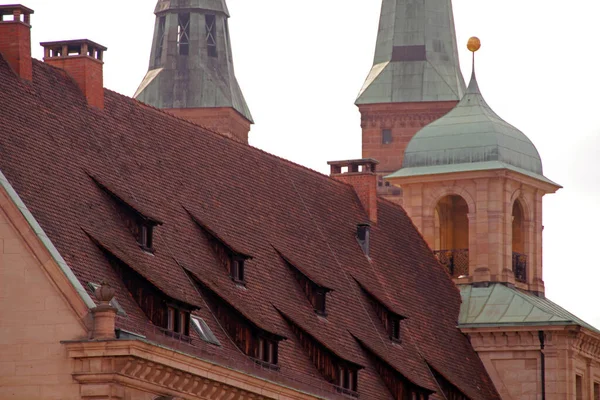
x=473 y=45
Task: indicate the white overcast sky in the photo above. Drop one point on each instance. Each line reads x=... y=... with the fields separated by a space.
x=301 y=64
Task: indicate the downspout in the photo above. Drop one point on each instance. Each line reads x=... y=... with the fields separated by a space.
x=543 y=361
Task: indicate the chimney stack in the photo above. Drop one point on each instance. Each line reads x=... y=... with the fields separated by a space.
x=361 y=175
x=82 y=60
x=15 y=38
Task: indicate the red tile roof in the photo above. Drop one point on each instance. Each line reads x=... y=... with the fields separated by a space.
x=50 y=140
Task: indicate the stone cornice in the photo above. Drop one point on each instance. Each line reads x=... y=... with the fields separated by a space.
x=587 y=343
x=156 y=369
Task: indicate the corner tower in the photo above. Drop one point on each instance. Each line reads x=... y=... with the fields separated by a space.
x=191 y=71
x=415 y=80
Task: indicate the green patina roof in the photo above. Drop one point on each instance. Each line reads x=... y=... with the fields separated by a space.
x=466 y=167
x=416 y=57
x=472 y=134
x=500 y=305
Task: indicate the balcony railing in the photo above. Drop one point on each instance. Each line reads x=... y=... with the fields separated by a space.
x=519 y=266
x=456 y=261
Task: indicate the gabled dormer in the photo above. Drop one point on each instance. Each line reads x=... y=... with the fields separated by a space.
x=139 y=223
x=170 y=315
x=390 y=319
x=400 y=386
x=234 y=261
x=252 y=338
x=315 y=292
x=335 y=368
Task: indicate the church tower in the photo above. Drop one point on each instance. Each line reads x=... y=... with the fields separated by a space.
x=191 y=71
x=415 y=80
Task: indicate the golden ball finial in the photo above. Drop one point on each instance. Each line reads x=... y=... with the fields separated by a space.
x=474 y=44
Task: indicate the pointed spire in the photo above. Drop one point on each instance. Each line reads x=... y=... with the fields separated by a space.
x=474 y=44
x=416 y=58
x=191 y=64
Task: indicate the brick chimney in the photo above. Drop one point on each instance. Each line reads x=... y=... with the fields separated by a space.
x=362 y=176
x=15 y=38
x=82 y=60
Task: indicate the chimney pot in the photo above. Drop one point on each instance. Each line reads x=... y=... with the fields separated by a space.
x=361 y=175
x=15 y=38
x=82 y=60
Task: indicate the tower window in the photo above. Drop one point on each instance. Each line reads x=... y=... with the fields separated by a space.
x=183 y=34
x=211 y=34
x=386 y=136
x=161 y=39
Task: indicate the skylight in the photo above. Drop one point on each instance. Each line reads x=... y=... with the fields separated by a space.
x=204 y=331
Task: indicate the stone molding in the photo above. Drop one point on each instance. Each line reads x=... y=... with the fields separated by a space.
x=399 y=119
x=587 y=343
x=106 y=368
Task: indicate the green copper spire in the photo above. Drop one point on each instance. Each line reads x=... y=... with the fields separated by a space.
x=191 y=64
x=416 y=58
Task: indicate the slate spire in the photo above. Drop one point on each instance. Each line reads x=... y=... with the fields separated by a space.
x=191 y=70
x=416 y=58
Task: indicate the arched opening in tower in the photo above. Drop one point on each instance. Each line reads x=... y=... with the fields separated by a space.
x=452 y=235
x=519 y=258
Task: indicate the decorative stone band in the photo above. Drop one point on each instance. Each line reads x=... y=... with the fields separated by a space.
x=107 y=369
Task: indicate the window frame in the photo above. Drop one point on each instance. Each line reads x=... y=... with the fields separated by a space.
x=183 y=33
x=210 y=21
x=386 y=136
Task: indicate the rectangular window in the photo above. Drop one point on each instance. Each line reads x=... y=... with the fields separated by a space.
x=211 y=34
x=183 y=34
x=596 y=391
x=394 y=328
x=171 y=319
x=319 y=301
x=267 y=351
x=386 y=136
x=578 y=387
x=161 y=39
x=237 y=270
x=145 y=236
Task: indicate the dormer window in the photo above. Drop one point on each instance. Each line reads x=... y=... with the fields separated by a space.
x=255 y=341
x=139 y=223
x=390 y=320
x=315 y=293
x=170 y=315
x=363 y=235
x=236 y=269
x=232 y=260
x=267 y=351
x=145 y=236
x=334 y=368
x=399 y=386
x=178 y=320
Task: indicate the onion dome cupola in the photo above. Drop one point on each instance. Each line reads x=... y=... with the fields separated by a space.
x=473 y=185
x=470 y=137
